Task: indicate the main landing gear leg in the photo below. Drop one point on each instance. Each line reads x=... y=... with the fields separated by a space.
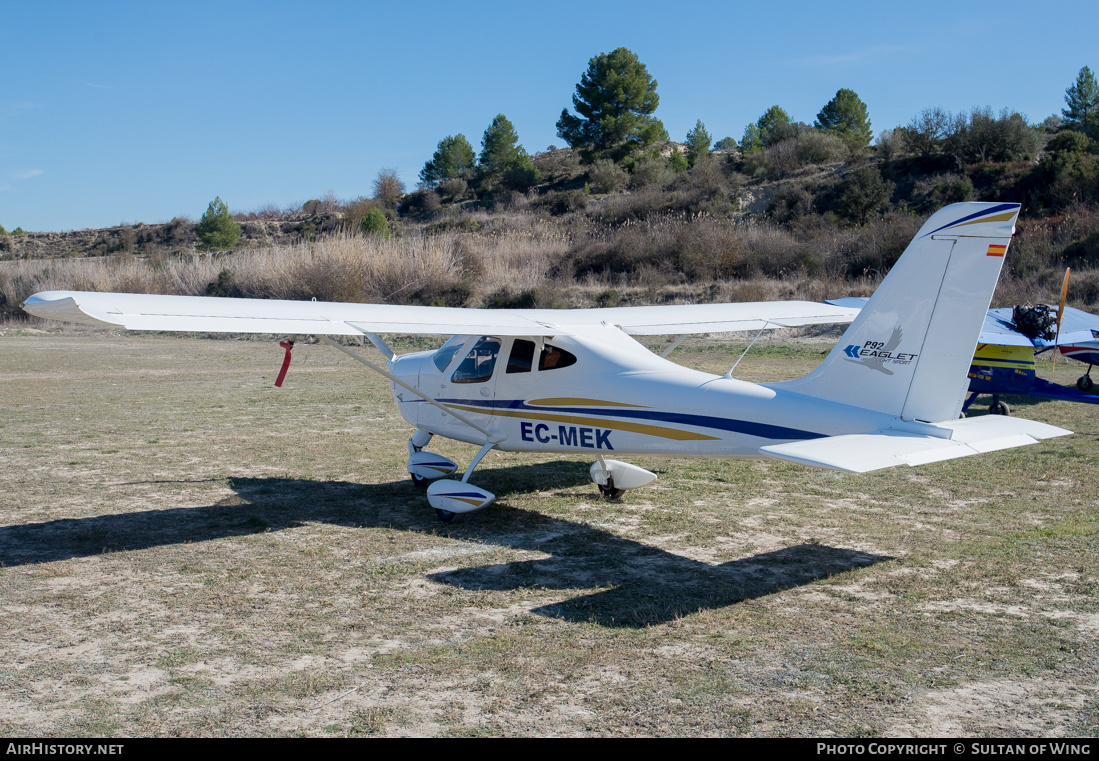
x=969 y=402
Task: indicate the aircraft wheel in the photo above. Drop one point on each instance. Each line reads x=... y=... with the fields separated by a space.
x=609 y=492
x=420 y=481
x=445 y=515
x=1084 y=383
x=999 y=408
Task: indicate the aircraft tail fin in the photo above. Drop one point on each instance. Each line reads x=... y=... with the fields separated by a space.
x=909 y=350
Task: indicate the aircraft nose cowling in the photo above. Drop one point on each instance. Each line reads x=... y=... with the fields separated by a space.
x=407 y=368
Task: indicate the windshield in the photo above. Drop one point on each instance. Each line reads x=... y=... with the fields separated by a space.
x=446 y=352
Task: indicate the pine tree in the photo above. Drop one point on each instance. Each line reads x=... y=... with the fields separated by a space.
x=1082 y=99
x=752 y=141
x=217 y=231
x=500 y=147
x=698 y=142
x=846 y=116
x=615 y=98
x=773 y=127
x=453 y=157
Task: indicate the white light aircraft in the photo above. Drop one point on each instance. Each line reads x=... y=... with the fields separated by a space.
x=576 y=381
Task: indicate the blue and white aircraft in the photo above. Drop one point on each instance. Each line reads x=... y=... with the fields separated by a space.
x=577 y=382
x=1004 y=360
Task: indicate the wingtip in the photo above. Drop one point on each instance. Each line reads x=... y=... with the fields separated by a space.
x=60 y=305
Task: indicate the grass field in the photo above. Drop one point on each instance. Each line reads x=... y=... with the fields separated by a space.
x=187 y=550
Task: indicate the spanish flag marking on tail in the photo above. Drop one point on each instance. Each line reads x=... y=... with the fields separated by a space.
x=996 y=249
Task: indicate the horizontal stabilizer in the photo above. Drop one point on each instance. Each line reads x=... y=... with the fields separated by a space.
x=863 y=452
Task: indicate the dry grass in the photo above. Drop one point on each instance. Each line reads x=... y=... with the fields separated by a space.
x=519 y=256
x=186 y=551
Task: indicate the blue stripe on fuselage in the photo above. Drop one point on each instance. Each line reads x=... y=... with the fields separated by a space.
x=747 y=427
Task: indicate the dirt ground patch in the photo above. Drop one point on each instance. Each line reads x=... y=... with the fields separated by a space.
x=187 y=551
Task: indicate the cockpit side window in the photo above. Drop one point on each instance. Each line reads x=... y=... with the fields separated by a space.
x=522 y=356
x=478 y=365
x=554 y=358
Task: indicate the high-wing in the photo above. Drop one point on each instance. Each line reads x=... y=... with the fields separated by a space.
x=207 y=314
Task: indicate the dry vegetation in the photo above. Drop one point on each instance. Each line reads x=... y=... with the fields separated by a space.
x=185 y=550
x=602 y=256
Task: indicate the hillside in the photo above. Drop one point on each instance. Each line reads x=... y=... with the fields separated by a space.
x=807 y=217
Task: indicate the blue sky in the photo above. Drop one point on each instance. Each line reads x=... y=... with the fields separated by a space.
x=138 y=112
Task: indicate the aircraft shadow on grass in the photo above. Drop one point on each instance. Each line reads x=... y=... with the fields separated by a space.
x=639 y=585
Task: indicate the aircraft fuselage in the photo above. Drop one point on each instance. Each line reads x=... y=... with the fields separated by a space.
x=608 y=396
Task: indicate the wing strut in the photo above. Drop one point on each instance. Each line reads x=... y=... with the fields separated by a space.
x=494 y=438
x=746 y=348
x=672 y=346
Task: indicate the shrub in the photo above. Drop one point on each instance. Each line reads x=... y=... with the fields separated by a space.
x=422 y=203
x=565 y=201
x=816 y=147
x=375 y=223
x=706 y=178
x=354 y=211
x=651 y=170
x=179 y=232
x=754 y=164
x=783 y=156
x=863 y=194
x=711 y=250
x=791 y=202
x=454 y=188
x=520 y=178
x=388 y=187
x=224 y=286
x=606 y=176
x=608 y=298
